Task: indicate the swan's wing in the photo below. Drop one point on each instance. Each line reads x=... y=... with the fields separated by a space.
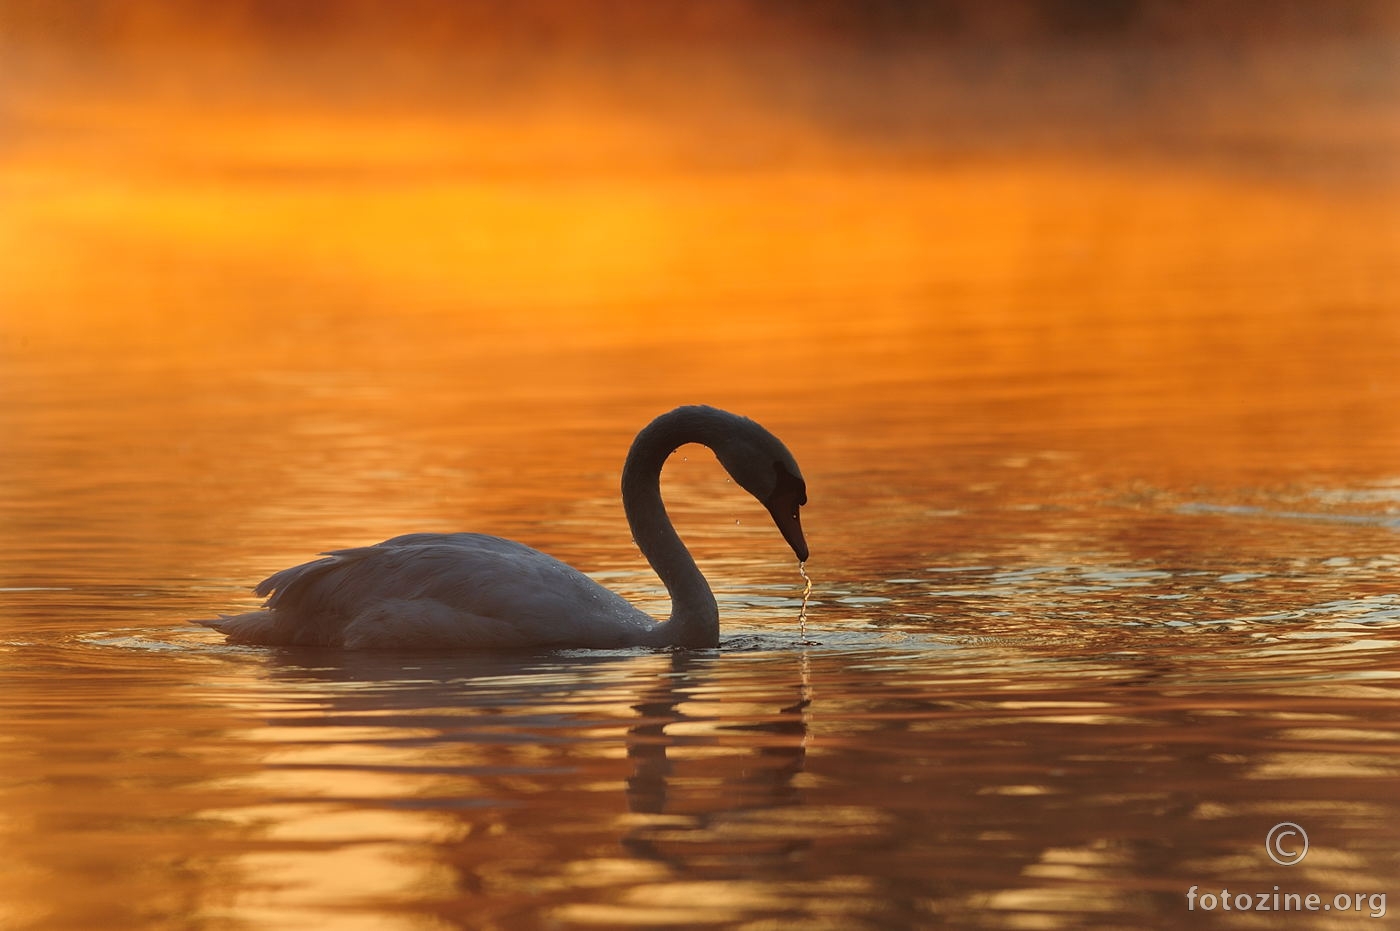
x=461 y=590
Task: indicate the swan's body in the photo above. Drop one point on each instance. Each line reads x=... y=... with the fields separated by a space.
x=472 y=591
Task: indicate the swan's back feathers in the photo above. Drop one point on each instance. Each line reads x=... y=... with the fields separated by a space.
x=426 y=590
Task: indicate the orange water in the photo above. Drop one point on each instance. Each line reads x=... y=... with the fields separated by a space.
x=1101 y=450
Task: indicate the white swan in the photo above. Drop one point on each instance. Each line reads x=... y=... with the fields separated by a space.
x=472 y=591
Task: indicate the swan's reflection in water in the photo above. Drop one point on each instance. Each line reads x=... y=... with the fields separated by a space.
x=595 y=788
x=703 y=781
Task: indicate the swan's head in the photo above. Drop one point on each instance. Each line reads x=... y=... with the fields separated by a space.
x=763 y=467
x=789 y=493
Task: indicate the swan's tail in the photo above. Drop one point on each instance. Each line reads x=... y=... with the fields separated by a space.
x=302 y=609
x=253 y=627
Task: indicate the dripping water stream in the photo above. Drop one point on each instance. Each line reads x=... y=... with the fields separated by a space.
x=802 y=612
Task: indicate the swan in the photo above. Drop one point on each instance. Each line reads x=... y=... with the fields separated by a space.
x=479 y=592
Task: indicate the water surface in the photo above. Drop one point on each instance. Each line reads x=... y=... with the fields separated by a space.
x=1102 y=459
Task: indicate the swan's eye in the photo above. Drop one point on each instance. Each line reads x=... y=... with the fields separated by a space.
x=788 y=488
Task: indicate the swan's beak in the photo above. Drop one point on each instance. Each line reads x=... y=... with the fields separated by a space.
x=784 y=508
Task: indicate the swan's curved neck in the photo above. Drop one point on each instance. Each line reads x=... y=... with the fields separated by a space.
x=694 y=620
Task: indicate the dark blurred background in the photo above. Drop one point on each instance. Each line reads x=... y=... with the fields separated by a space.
x=768 y=80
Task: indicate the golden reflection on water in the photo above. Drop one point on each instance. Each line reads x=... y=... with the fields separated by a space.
x=1116 y=320
x=1102 y=456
